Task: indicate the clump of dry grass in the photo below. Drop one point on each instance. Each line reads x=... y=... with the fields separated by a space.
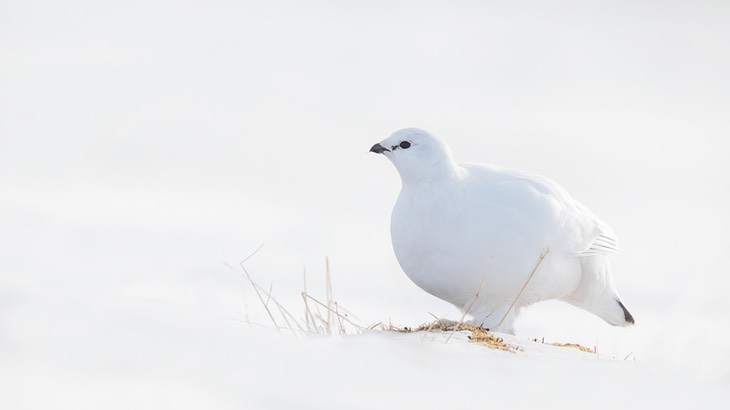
x=320 y=318
x=570 y=345
x=484 y=337
x=478 y=334
x=575 y=346
x=327 y=318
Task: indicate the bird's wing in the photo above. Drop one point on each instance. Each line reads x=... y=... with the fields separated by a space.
x=601 y=238
x=534 y=194
x=602 y=244
x=598 y=237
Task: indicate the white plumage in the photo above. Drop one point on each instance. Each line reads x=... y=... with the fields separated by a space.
x=472 y=235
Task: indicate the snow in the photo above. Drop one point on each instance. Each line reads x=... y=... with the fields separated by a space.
x=147 y=148
x=145 y=355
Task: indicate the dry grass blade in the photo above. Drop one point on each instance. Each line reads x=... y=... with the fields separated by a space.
x=519 y=294
x=308 y=316
x=255 y=286
x=341 y=317
x=574 y=346
x=471 y=305
x=282 y=310
x=570 y=345
x=329 y=294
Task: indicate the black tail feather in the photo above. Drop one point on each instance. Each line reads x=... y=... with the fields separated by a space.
x=627 y=315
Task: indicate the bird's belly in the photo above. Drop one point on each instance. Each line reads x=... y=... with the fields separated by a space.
x=482 y=258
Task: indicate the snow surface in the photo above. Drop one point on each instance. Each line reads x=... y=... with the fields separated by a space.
x=148 y=147
x=147 y=355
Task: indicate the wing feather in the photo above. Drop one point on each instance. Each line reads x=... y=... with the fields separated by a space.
x=602 y=244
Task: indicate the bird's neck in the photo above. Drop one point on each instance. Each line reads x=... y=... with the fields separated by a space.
x=430 y=177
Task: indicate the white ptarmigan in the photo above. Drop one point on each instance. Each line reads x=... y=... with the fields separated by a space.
x=492 y=240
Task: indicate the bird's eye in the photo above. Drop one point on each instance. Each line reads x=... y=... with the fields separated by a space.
x=405 y=144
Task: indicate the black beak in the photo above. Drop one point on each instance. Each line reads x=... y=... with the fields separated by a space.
x=378 y=149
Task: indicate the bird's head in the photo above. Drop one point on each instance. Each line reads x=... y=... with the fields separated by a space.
x=417 y=155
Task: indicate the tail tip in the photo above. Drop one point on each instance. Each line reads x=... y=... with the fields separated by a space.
x=627 y=316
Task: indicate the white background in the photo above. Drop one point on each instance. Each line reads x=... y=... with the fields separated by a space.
x=146 y=147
